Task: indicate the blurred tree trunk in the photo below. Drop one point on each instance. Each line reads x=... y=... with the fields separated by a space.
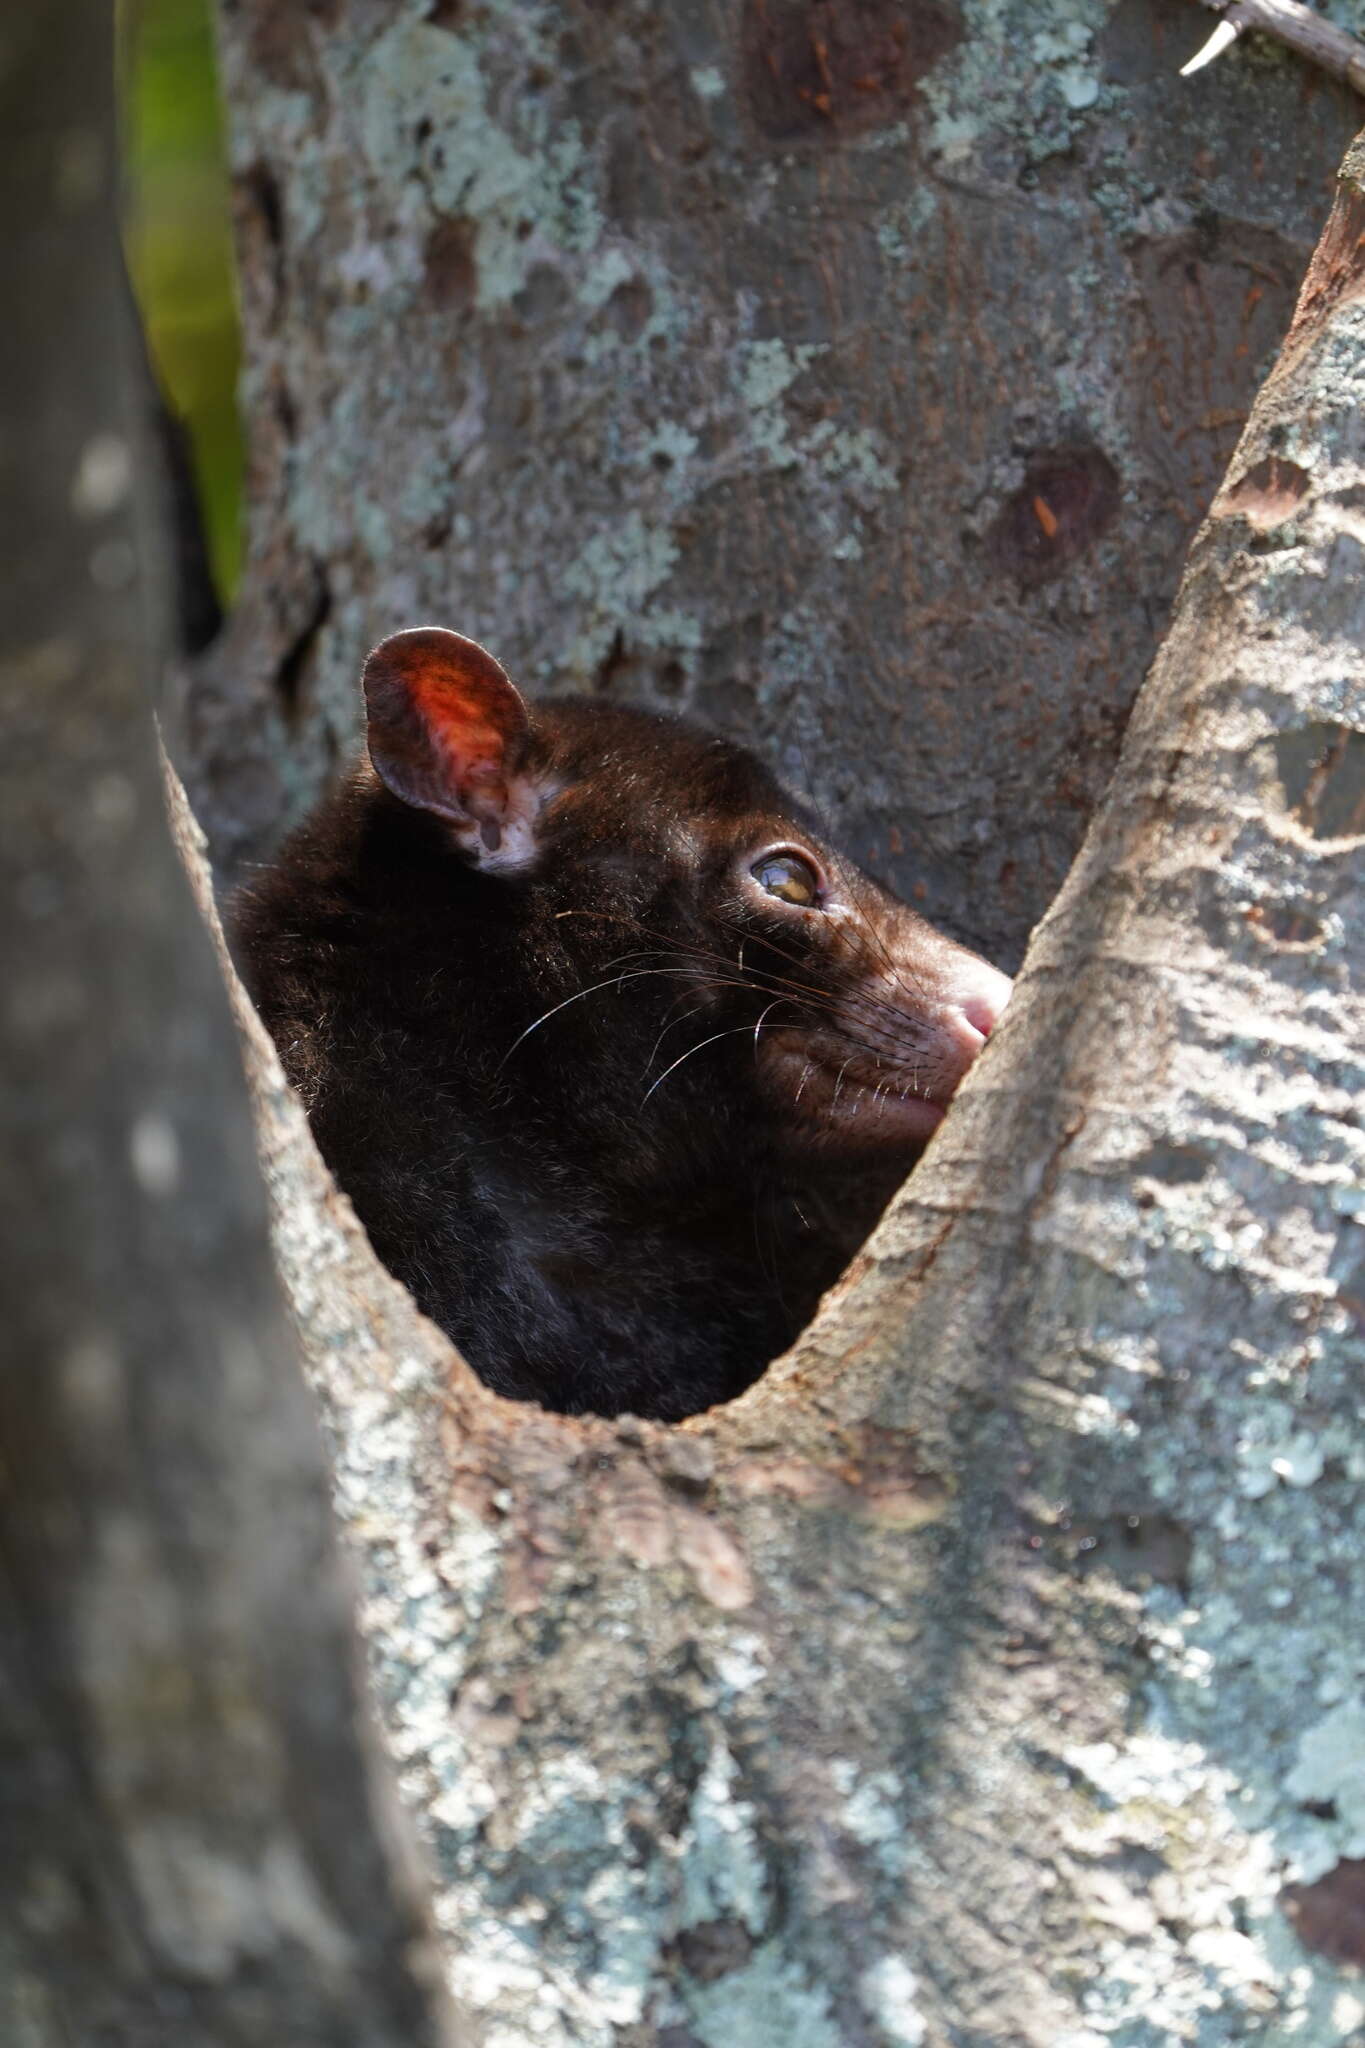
x=198 y=1842
x=992 y=1673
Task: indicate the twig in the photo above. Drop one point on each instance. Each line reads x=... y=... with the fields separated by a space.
x=1290 y=23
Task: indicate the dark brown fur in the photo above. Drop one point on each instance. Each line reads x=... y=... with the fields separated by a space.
x=567 y=1097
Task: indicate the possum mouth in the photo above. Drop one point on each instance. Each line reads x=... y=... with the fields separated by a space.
x=846 y=1096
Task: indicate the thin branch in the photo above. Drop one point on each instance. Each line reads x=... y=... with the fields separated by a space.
x=1290 y=23
x=1223 y=37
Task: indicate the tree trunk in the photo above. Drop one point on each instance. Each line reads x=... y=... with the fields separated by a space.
x=853 y=377
x=198 y=1842
x=992 y=1672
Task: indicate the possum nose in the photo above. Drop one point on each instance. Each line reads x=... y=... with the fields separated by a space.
x=980 y=999
x=971 y=1010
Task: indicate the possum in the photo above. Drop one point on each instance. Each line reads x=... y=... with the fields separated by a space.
x=616 y=1056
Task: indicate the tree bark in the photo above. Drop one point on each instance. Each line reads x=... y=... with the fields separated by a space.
x=992 y=1672
x=853 y=377
x=198 y=1838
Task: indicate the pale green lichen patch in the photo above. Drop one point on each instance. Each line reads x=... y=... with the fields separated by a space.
x=425 y=103
x=723 y=1877
x=890 y=1991
x=871 y=1811
x=741 y=1663
x=1024 y=69
x=849 y=453
x=1163 y=1796
x=900 y=225
x=566 y=1930
x=1063 y=49
x=770 y=2000
x=622 y=566
x=767 y=370
x=669 y=439
x=614 y=578
x=1079 y=88
x=1331 y=1768
x=1297 y=1457
x=1236 y=1652
x=613 y=268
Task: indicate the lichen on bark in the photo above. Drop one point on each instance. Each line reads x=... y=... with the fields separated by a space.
x=941 y=1690
x=669 y=364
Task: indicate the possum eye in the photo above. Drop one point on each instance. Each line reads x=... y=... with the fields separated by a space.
x=789 y=876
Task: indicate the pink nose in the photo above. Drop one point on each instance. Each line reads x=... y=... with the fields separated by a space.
x=972 y=1004
x=980 y=995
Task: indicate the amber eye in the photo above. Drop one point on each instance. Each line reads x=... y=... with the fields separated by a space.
x=788 y=876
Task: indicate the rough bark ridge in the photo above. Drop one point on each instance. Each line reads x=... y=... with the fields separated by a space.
x=992 y=1672
x=855 y=375
x=198 y=1842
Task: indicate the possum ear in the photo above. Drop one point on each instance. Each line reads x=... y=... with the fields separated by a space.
x=448 y=733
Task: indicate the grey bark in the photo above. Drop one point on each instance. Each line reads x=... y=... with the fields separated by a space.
x=723 y=356
x=992 y=1673
x=1301 y=28
x=199 y=1839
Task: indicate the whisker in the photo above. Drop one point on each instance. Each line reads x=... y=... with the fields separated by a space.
x=861 y=999
x=760 y=979
x=612 y=981
x=672 y=1026
x=870 y=1023
x=872 y=1008
x=897 y=973
x=731 y=1032
x=764 y=1018
x=858 y=937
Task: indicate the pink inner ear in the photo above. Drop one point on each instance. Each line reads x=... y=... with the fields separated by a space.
x=446 y=727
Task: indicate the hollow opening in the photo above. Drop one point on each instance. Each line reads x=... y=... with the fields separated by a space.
x=617 y=1055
